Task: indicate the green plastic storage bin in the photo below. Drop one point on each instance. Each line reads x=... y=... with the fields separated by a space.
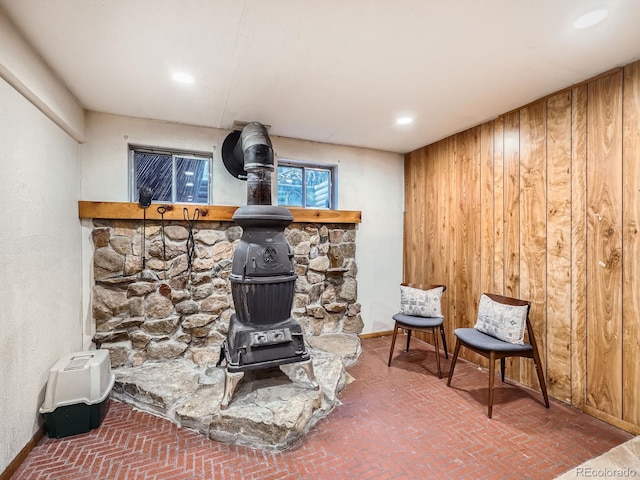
x=77 y=396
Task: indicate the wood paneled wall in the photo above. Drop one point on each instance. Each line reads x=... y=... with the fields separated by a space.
x=543 y=203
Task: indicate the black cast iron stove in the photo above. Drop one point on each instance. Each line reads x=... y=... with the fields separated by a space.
x=262 y=333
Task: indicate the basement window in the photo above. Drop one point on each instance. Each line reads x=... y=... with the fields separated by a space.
x=173 y=176
x=306 y=185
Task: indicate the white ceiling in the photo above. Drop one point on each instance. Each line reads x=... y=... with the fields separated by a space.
x=335 y=71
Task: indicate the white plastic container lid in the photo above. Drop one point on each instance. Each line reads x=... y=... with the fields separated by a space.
x=82 y=377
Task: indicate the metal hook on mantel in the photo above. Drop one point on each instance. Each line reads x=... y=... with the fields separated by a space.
x=203 y=212
x=191 y=244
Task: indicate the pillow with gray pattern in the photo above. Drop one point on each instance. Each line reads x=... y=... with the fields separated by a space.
x=421 y=303
x=504 y=322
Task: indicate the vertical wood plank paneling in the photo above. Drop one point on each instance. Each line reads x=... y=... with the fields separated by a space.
x=482 y=215
x=512 y=204
x=441 y=247
x=415 y=206
x=463 y=238
x=448 y=155
x=475 y=227
x=578 y=245
x=631 y=243
x=430 y=194
x=498 y=206
x=440 y=212
x=533 y=226
x=422 y=212
x=604 y=241
x=467 y=238
x=410 y=208
x=512 y=217
x=411 y=213
x=559 y=246
x=487 y=216
x=487 y=236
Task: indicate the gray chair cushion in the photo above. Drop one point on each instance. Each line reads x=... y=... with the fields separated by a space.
x=418 y=322
x=482 y=341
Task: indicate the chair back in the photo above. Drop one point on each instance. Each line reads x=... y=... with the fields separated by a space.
x=517 y=302
x=509 y=301
x=423 y=286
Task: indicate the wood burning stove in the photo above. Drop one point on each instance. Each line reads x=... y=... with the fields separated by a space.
x=262 y=333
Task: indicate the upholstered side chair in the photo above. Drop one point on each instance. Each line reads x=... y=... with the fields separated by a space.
x=420 y=310
x=498 y=334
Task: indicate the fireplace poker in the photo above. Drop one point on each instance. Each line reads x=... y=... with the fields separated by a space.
x=162 y=209
x=145 y=196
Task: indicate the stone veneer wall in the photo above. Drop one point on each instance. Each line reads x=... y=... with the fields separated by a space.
x=169 y=310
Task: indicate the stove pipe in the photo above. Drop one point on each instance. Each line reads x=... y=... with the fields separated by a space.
x=256 y=151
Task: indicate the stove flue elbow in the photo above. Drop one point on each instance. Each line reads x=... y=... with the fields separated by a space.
x=256 y=147
x=258 y=162
x=248 y=155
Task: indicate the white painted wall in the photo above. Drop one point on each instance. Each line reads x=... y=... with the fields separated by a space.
x=105 y=155
x=40 y=262
x=369 y=180
x=24 y=69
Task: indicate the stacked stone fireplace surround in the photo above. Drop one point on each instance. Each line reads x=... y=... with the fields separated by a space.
x=176 y=308
x=164 y=326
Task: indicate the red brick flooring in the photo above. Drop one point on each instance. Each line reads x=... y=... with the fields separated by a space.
x=395 y=423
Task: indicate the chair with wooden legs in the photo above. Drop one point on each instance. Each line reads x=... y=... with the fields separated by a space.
x=421 y=311
x=498 y=334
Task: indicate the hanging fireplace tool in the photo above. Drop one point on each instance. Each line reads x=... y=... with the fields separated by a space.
x=162 y=209
x=144 y=200
x=262 y=333
x=191 y=244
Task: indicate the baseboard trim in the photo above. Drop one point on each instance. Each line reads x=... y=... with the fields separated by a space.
x=376 y=334
x=610 y=419
x=22 y=455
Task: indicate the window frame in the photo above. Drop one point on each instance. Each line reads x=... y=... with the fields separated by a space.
x=174 y=153
x=333 y=180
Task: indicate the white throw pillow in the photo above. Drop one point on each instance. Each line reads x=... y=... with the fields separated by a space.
x=421 y=303
x=504 y=322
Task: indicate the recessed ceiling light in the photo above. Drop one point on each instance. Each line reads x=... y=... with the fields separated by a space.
x=404 y=120
x=188 y=184
x=182 y=77
x=188 y=173
x=590 y=19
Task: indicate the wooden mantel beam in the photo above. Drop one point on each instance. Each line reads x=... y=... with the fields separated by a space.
x=133 y=211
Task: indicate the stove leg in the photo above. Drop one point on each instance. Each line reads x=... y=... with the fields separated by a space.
x=231 y=380
x=308 y=369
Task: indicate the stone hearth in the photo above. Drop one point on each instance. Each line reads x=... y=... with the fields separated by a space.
x=271 y=408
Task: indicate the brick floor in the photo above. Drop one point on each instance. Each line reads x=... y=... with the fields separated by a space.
x=395 y=423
